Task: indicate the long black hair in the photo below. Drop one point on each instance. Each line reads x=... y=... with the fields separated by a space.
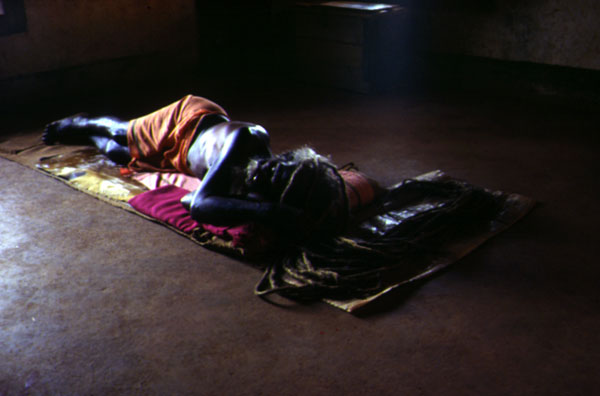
x=307 y=181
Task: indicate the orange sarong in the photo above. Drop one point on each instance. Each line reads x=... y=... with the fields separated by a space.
x=160 y=141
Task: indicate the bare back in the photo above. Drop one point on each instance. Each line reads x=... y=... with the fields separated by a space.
x=218 y=149
x=206 y=149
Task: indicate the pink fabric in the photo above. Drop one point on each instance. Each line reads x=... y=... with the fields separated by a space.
x=164 y=204
x=154 y=180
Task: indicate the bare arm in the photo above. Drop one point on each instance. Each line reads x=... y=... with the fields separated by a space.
x=212 y=203
x=222 y=211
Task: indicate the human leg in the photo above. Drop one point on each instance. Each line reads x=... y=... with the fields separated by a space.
x=157 y=141
x=107 y=134
x=112 y=149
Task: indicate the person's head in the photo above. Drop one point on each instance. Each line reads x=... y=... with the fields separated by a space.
x=305 y=180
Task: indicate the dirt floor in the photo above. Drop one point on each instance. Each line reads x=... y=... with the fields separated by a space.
x=97 y=300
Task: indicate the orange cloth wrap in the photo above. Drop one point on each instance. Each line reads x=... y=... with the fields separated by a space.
x=160 y=141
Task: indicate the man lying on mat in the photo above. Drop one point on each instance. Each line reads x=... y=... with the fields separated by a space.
x=242 y=180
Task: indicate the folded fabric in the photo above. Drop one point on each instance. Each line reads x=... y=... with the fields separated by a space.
x=252 y=238
x=164 y=204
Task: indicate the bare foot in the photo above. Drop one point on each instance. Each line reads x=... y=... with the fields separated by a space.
x=70 y=130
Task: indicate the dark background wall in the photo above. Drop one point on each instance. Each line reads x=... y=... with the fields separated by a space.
x=544 y=48
x=66 y=33
x=68 y=44
x=74 y=47
x=554 y=32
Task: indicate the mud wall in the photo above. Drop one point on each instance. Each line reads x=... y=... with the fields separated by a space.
x=65 y=33
x=554 y=32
